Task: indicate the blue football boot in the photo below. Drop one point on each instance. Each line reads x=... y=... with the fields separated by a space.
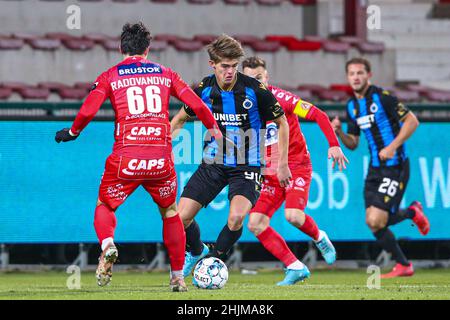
x=190 y=260
x=326 y=248
x=294 y=276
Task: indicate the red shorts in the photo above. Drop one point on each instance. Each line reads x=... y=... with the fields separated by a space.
x=123 y=175
x=273 y=195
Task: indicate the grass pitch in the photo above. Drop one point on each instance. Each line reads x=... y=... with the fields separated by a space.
x=323 y=284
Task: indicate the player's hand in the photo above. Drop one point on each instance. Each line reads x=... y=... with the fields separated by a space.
x=338 y=157
x=386 y=153
x=64 y=135
x=336 y=124
x=284 y=175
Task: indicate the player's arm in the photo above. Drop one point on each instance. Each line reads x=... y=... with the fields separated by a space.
x=350 y=140
x=184 y=93
x=90 y=107
x=178 y=121
x=308 y=111
x=410 y=123
x=272 y=111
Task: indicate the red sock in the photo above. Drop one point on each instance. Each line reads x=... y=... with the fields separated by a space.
x=310 y=228
x=175 y=241
x=104 y=222
x=276 y=245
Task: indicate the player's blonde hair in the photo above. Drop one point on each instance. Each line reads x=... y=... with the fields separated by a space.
x=225 y=47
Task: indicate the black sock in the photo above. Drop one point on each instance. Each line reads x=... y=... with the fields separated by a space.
x=193 y=242
x=387 y=241
x=225 y=241
x=399 y=216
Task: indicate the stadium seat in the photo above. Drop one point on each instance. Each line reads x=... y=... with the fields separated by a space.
x=237 y=2
x=313 y=88
x=5 y=93
x=437 y=95
x=24 y=35
x=158 y=45
x=44 y=43
x=335 y=47
x=332 y=95
x=201 y=1
x=187 y=45
x=246 y=39
x=58 y=35
x=265 y=46
x=283 y=39
x=205 y=38
x=78 y=44
x=314 y=38
x=83 y=85
x=294 y=44
x=405 y=95
x=269 y=2
x=11 y=44
x=370 y=47
x=52 y=86
x=170 y=38
x=304 y=2
x=353 y=40
x=417 y=87
x=342 y=87
x=14 y=86
x=34 y=93
x=97 y=37
x=73 y=93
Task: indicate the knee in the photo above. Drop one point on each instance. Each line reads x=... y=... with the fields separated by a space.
x=374 y=223
x=295 y=217
x=235 y=221
x=256 y=227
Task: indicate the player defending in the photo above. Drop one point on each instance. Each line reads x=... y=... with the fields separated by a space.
x=296 y=194
x=387 y=124
x=139 y=90
x=242 y=105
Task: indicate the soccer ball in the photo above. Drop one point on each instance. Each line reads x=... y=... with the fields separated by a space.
x=210 y=273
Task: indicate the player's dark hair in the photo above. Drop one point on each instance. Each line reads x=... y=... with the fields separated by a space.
x=253 y=63
x=135 y=39
x=225 y=47
x=363 y=61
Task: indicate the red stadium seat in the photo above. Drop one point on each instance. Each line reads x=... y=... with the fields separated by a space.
x=97 y=37
x=370 y=47
x=5 y=93
x=73 y=93
x=437 y=95
x=170 y=38
x=78 y=44
x=34 y=93
x=201 y=1
x=405 y=95
x=14 y=86
x=283 y=39
x=44 y=43
x=52 y=86
x=237 y=2
x=332 y=95
x=246 y=39
x=83 y=85
x=314 y=38
x=304 y=2
x=417 y=87
x=158 y=45
x=269 y=2
x=294 y=44
x=58 y=35
x=187 y=45
x=205 y=38
x=265 y=46
x=25 y=36
x=353 y=40
x=335 y=47
x=11 y=44
x=342 y=87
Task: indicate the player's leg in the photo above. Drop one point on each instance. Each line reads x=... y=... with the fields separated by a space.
x=415 y=210
x=376 y=219
x=296 y=200
x=112 y=193
x=204 y=185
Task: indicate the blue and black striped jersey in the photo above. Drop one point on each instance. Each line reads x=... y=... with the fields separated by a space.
x=379 y=116
x=241 y=114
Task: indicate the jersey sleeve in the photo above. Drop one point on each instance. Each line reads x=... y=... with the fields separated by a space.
x=393 y=107
x=269 y=107
x=187 y=109
x=352 y=126
x=304 y=109
x=99 y=93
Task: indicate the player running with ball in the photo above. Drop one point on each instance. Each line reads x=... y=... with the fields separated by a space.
x=139 y=90
x=296 y=193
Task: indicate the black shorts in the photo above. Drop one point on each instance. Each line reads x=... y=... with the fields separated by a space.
x=209 y=180
x=384 y=187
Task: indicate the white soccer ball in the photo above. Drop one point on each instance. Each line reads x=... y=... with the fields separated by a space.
x=210 y=273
